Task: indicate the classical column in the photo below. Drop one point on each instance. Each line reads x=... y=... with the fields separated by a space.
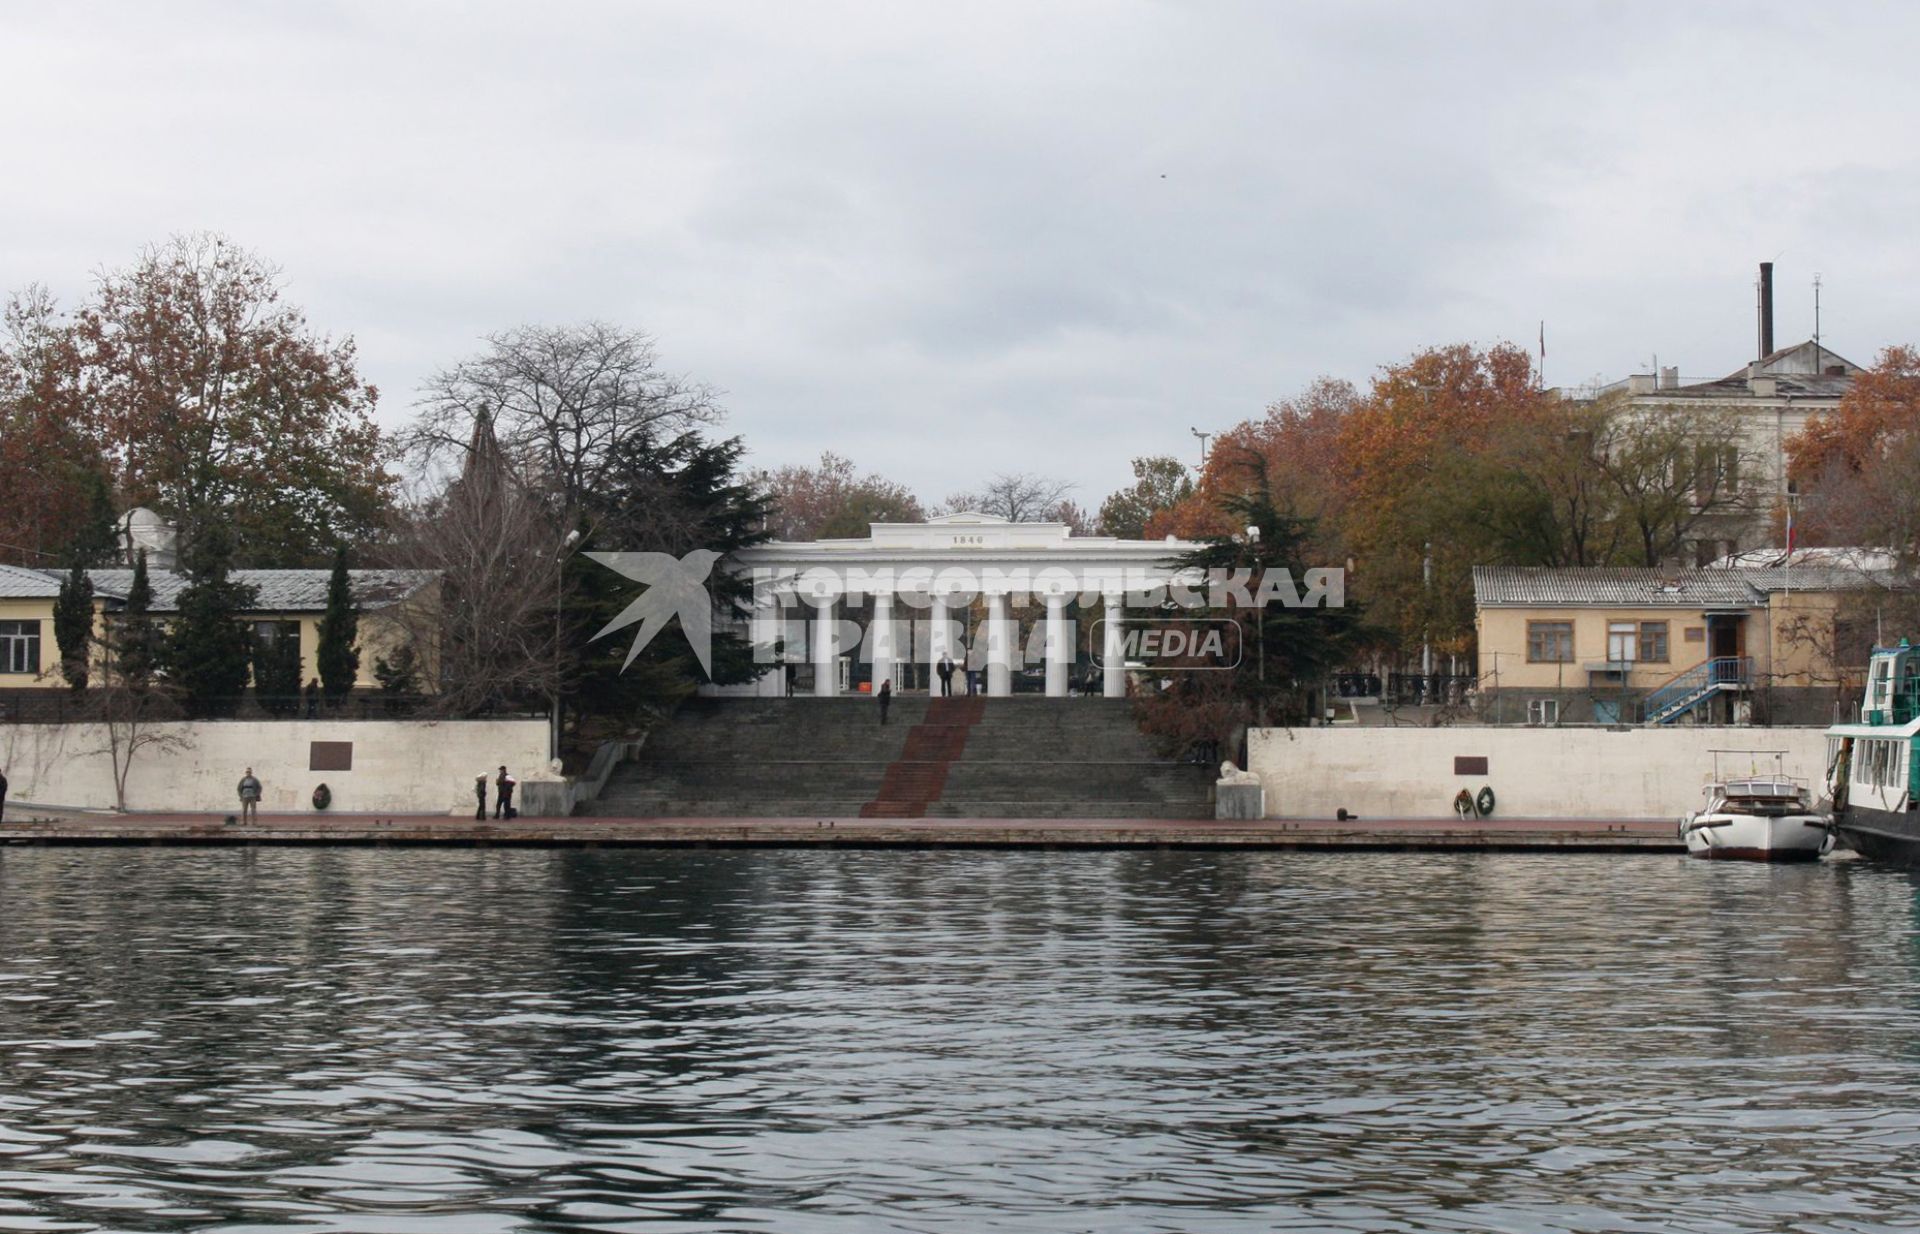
x=999 y=646
x=765 y=625
x=1059 y=647
x=883 y=656
x=1113 y=681
x=826 y=670
x=936 y=639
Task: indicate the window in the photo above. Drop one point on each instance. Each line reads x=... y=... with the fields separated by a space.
x=1549 y=642
x=1623 y=642
x=1653 y=641
x=273 y=633
x=1543 y=711
x=1883 y=763
x=20 y=647
x=1716 y=473
x=1880 y=763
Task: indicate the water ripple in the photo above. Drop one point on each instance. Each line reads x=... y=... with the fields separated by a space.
x=360 y=1041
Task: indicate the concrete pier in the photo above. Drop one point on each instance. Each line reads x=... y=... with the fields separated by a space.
x=1502 y=835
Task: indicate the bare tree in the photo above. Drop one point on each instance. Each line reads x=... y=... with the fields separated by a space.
x=492 y=630
x=1673 y=472
x=135 y=707
x=561 y=398
x=135 y=720
x=1020 y=497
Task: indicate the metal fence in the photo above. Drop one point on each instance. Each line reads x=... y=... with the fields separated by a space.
x=70 y=707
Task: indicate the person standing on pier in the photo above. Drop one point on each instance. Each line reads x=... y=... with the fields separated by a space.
x=886 y=698
x=249 y=798
x=945 y=669
x=503 y=794
x=3 y=794
x=480 y=797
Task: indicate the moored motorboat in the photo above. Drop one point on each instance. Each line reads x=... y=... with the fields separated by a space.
x=1756 y=818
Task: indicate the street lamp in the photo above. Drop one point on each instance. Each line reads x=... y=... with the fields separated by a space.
x=559 y=593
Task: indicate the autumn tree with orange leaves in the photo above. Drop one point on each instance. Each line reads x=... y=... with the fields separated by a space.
x=188 y=384
x=54 y=482
x=1854 y=466
x=1404 y=453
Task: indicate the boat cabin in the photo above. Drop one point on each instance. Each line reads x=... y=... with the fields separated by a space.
x=1762 y=789
x=1893 y=686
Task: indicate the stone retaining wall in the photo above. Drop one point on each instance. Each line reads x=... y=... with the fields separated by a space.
x=1558 y=773
x=398 y=766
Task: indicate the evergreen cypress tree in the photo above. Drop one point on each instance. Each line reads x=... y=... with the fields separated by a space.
x=339 y=662
x=672 y=497
x=73 y=625
x=132 y=639
x=96 y=542
x=208 y=648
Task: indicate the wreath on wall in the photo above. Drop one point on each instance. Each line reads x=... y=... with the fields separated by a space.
x=322 y=797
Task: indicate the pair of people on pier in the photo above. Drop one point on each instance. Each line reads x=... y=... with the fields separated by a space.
x=503 y=796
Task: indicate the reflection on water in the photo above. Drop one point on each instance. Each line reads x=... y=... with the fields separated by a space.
x=467 y=1042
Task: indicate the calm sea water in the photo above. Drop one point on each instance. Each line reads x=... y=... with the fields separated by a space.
x=472 y=1042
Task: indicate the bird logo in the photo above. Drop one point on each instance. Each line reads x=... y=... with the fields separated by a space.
x=676 y=586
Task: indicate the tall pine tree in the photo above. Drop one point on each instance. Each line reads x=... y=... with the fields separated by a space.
x=73 y=626
x=132 y=641
x=672 y=497
x=209 y=647
x=339 y=661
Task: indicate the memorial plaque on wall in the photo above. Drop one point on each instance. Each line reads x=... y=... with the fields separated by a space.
x=330 y=756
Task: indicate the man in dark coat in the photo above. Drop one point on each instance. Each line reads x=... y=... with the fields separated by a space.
x=886 y=698
x=480 y=796
x=250 y=794
x=3 y=794
x=945 y=669
x=503 y=794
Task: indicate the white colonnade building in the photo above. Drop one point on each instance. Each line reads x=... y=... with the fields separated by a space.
x=923 y=580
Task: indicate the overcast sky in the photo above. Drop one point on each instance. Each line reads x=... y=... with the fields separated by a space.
x=948 y=240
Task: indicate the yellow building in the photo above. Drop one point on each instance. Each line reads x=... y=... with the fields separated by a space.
x=1664 y=646
x=288 y=604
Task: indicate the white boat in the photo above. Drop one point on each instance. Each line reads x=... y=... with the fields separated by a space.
x=1757 y=818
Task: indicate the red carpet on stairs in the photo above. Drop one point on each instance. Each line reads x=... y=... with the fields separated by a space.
x=915 y=780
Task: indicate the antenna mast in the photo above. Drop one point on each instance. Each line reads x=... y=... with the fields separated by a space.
x=1819 y=358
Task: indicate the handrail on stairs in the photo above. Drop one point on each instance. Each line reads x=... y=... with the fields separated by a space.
x=1696 y=683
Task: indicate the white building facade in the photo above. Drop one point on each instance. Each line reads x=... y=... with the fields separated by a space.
x=891 y=606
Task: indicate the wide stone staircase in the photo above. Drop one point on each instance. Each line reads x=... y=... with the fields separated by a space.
x=937 y=758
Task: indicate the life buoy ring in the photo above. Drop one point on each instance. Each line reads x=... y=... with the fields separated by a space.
x=1484 y=802
x=322 y=797
x=1463 y=803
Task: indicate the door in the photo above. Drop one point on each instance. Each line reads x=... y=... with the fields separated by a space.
x=1723 y=634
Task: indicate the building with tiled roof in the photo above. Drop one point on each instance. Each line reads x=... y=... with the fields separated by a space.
x=287 y=604
x=1671 y=645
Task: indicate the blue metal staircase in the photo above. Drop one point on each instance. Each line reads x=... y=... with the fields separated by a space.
x=1696 y=686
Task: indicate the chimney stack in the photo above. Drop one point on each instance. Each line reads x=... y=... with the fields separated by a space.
x=1766 y=309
